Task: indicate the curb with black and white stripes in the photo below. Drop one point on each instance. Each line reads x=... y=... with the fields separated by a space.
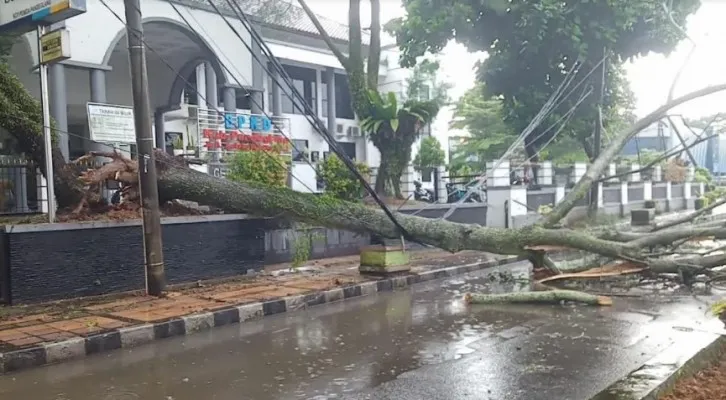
x=121 y=338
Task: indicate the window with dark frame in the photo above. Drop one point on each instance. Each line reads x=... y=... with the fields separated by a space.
x=299 y=150
x=304 y=80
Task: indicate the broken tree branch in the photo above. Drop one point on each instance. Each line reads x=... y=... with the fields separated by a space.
x=551 y=296
x=662 y=157
x=596 y=169
x=687 y=218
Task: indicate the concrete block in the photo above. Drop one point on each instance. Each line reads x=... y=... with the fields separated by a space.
x=642 y=217
x=379 y=259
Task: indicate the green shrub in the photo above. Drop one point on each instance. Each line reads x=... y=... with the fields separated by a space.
x=267 y=167
x=339 y=181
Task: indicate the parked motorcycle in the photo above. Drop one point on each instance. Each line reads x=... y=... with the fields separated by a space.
x=421 y=194
x=456 y=193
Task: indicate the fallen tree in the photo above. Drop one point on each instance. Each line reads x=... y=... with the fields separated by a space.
x=655 y=251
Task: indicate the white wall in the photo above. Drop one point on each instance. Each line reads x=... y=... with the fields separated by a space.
x=95 y=34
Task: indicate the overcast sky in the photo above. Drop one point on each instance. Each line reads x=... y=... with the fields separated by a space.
x=650 y=76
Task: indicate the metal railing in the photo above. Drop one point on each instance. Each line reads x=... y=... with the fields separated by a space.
x=22 y=187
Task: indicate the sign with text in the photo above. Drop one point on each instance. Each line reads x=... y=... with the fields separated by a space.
x=218 y=170
x=110 y=123
x=55 y=46
x=20 y=16
x=231 y=132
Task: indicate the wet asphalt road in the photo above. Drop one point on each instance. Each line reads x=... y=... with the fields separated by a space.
x=416 y=344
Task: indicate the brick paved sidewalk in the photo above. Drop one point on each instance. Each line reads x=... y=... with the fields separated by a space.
x=29 y=326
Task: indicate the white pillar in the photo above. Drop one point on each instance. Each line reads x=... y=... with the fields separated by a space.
x=319 y=93
x=442 y=193
x=498 y=177
x=545 y=173
x=579 y=171
x=624 y=193
x=211 y=86
x=647 y=190
x=691 y=174
x=612 y=170
x=669 y=190
x=600 y=199
x=201 y=86
x=635 y=176
x=559 y=193
x=407 y=186
x=687 y=193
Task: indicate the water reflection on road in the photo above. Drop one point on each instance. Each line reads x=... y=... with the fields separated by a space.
x=352 y=348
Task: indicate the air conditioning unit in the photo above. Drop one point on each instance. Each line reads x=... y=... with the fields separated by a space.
x=193 y=112
x=353 y=131
x=339 y=129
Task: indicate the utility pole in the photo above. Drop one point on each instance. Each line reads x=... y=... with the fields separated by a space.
x=149 y=192
x=597 y=134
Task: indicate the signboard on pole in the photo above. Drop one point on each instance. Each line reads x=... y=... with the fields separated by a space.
x=108 y=123
x=20 y=16
x=55 y=46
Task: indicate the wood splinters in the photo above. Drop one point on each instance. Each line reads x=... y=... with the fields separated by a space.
x=547 y=297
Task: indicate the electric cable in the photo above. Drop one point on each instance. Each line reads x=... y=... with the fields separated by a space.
x=314 y=120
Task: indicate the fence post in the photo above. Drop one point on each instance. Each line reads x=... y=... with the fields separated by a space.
x=21 y=189
x=441 y=193
x=613 y=170
x=635 y=176
x=559 y=194
x=647 y=190
x=545 y=173
x=42 y=193
x=578 y=171
x=498 y=177
x=407 y=187
x=623 y=198
x=669 y=195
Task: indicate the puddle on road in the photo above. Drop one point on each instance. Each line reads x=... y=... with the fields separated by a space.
x=316 y=354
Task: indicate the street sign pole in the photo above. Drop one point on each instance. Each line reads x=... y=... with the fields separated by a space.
x=47 y=134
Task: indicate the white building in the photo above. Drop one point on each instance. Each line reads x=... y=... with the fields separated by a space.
x=204 y=52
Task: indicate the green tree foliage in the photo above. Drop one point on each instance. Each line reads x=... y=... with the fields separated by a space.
x=430 y=154
x=424 y=84
x=267 y=167
x=392 y=131
x=340 y=181
x=483 y=118
x=533 y=44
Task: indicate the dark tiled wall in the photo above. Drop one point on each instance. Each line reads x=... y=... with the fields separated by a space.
x=57 y=264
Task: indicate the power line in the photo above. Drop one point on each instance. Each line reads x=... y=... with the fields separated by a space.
x=546 y=110
x=188 y=84
x=213 y=107
x=309 y=114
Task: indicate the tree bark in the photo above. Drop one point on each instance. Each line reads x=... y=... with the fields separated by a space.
x=374 y=48
x=21 y=116
x=550 y=297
